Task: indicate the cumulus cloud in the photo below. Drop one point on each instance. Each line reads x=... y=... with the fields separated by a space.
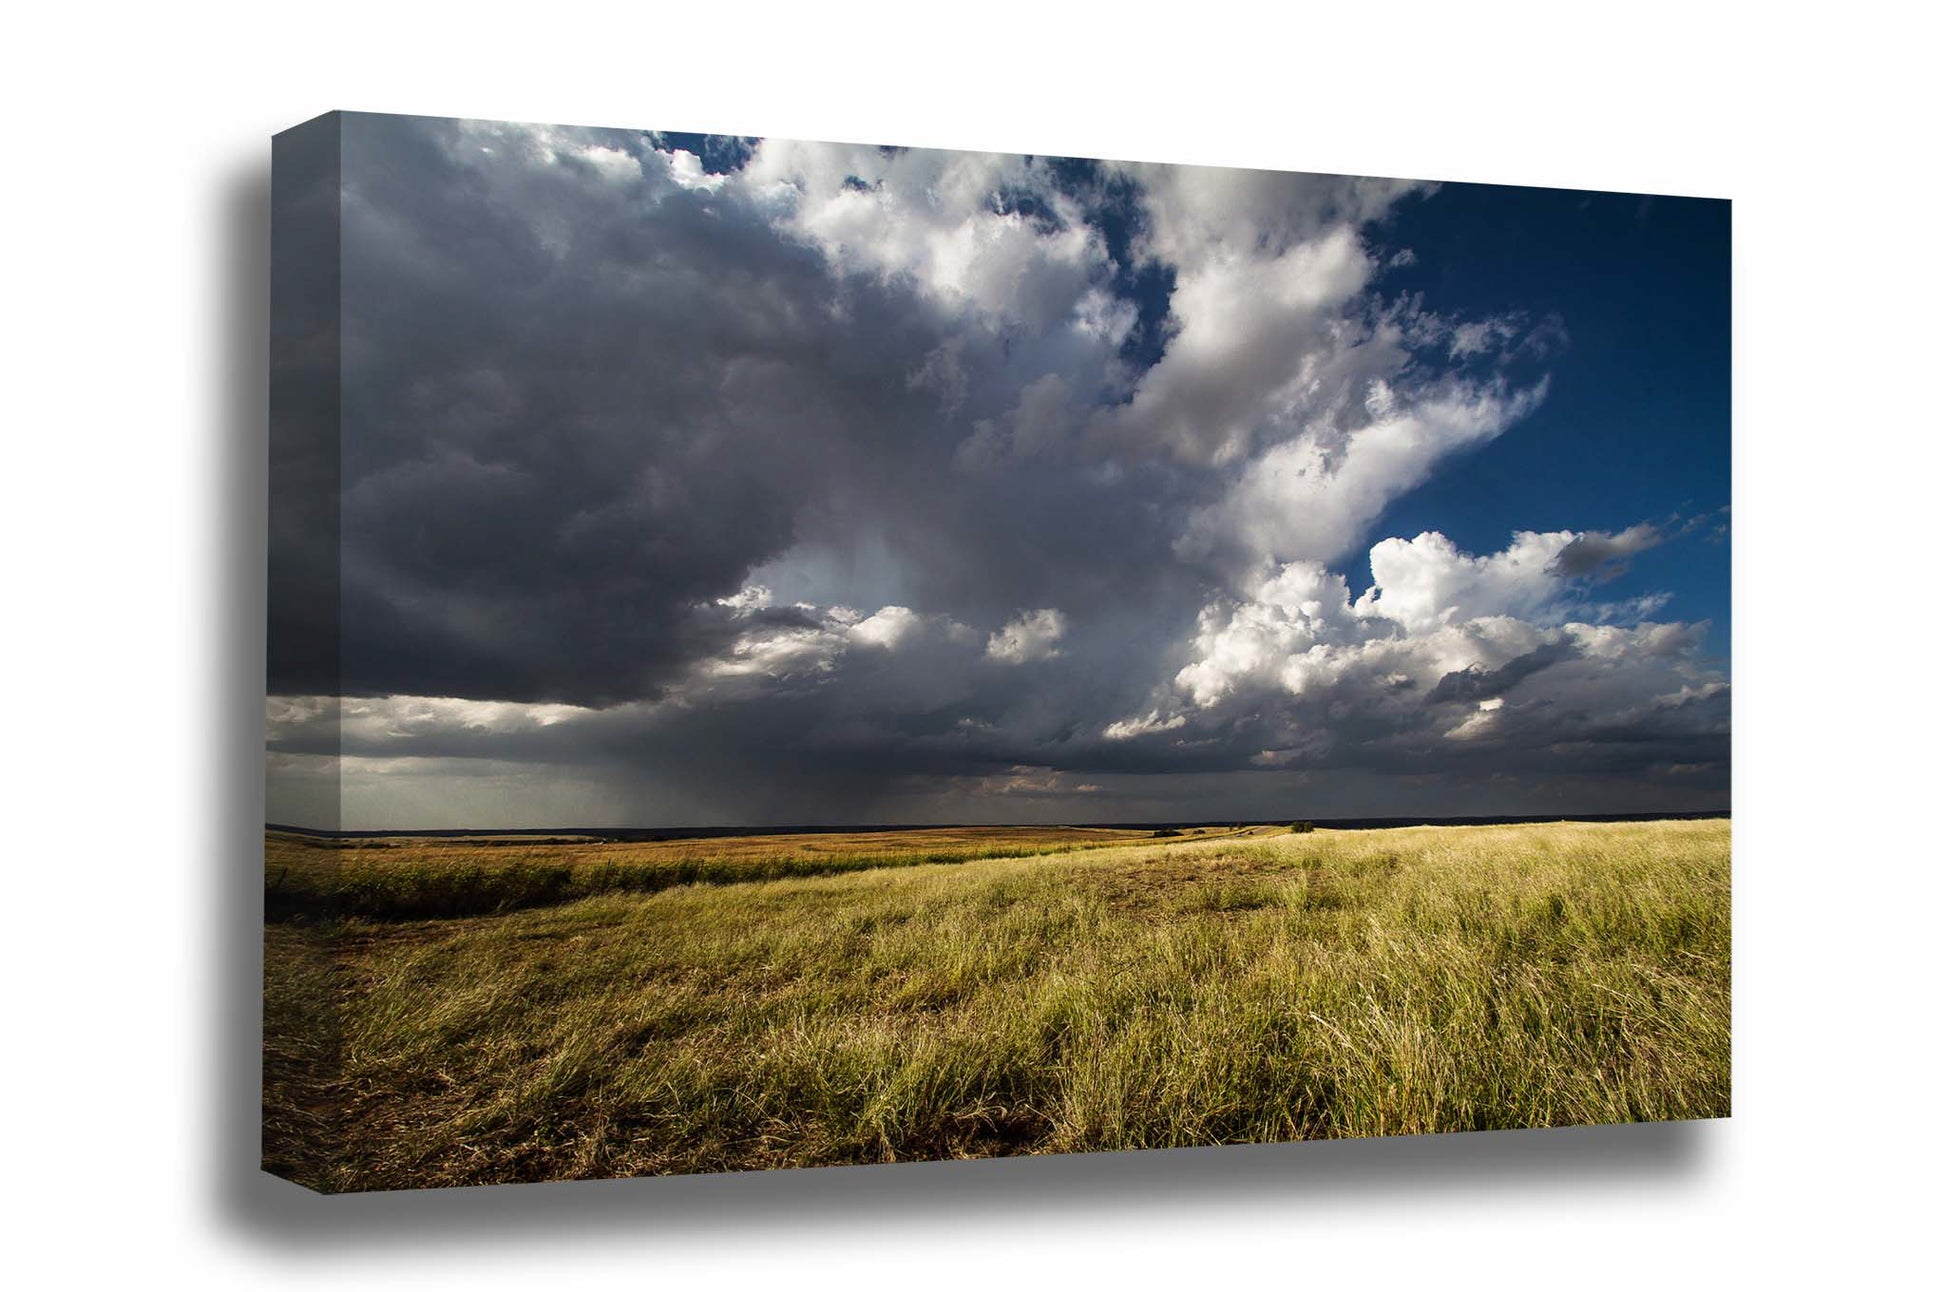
x=986 y=231
x=885 y=629
x=1503 y=649
x=1310 y=403
x=1313 y=496
x=670 y=463
x=1152 y=721
x=1255 y=338
x=1030 y=637
x=893 y=707
x=1428 y=582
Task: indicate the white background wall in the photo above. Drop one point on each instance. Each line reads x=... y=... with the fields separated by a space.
x=135 y=154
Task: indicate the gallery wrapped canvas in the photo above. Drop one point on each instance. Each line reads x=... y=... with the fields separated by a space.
x=789 y=654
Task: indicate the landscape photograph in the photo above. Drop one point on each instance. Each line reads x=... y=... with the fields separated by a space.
x=790 y=654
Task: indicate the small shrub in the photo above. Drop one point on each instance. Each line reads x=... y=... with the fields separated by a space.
x=1302 y=827
x=1166 y=833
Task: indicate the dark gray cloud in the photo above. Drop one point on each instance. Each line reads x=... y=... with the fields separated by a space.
x=305 y=449
x=1601 y=557
x=579 y=405
x=1473 y=683
x=575 y=408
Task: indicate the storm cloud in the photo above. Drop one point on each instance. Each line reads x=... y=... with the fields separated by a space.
x=756 y=481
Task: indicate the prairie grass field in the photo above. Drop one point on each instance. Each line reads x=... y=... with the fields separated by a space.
x=990 y=993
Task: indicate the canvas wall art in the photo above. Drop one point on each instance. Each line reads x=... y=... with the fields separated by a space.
x=791 y=654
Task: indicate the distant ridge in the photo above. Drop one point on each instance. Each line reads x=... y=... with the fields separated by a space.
x=642 y=834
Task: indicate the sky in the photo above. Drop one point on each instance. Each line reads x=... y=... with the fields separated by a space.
x=674 y=480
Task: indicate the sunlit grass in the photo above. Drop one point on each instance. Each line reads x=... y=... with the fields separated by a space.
x=1212 y=991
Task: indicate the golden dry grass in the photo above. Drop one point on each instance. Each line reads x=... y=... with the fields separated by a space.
x=1142 y=995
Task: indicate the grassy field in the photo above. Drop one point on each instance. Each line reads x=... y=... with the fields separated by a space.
x=420 y=877
x=1251 y=987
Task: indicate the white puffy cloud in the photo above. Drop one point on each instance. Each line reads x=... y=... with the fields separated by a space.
x=1276 y=333
x=1200 y=213
x=1314 y=496
x=1255 y=341
x=1249 y=642
x=686 y=169
x=1030 y=637
x=1152 y=721
x=887 y=628
x=1428 y=582
x=937 y=216
x=754 y=596
x=805 y=639
x=1504 y=647
x=1306 y=401
x=778 y=651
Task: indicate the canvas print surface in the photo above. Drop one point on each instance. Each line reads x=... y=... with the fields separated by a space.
x=787 y=654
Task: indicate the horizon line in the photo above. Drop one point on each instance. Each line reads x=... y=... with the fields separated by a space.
x=724 y=831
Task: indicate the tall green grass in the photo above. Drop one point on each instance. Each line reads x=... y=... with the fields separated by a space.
x=1317 y=985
